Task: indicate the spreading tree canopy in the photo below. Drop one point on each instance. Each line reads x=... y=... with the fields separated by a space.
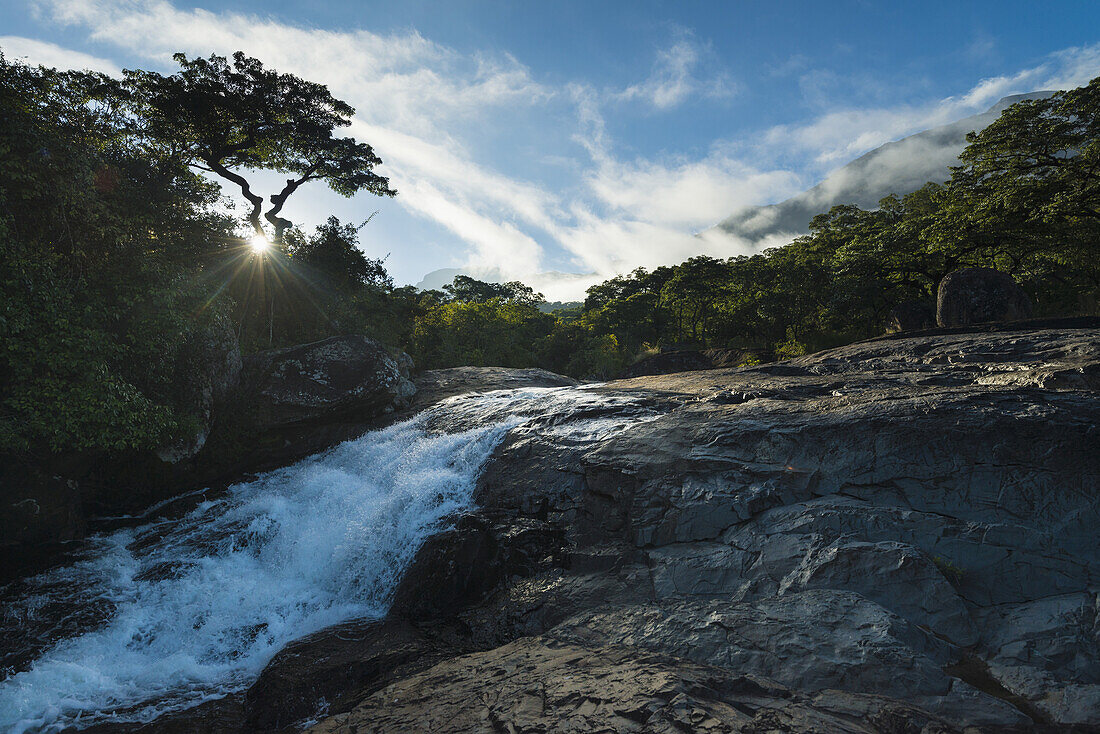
x=1040 y=158
x=231 y=117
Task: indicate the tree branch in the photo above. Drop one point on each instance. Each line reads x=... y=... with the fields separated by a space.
x=256 y=200
x=279 y=199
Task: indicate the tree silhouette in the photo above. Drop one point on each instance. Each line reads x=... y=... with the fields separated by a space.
x=228 y=118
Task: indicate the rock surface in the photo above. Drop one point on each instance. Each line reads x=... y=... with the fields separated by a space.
x=321 y=381
x=435 y=385
x=300 y=400
x=979 y=295
x=544 y=685
x=668 y=363
x=893 y=536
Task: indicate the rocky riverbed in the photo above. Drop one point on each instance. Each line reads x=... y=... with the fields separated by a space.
x=897 y=535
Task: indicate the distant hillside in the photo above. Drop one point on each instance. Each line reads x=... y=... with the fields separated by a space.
x=894 y=168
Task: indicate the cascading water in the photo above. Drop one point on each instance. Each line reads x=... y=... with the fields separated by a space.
x=191 y=610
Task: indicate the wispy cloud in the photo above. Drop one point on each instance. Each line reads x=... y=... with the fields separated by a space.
x=682 y=192
x=838 y=135
x=41 y=53
x=675 y=77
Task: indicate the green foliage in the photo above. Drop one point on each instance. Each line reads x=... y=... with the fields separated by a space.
x=465 y=288
x=1027 y=196
x=954 y=574
x=789 y=349
x=226 y=117
x=333 y=254
x=114 y=250
x=95 y=242
x=1025 y=200
x=481 y=324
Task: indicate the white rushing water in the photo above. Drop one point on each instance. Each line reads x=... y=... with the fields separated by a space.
x=201 y=604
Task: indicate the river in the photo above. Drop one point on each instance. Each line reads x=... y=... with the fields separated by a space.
x=164 y=616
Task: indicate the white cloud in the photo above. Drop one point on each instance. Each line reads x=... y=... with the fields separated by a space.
x=840 y=135
x=41 y=53
x=673 y=79
x=685 y=193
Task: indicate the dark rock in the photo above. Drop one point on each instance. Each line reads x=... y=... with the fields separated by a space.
x=432 y=386
x=300 y=400
x=454 y=569
x=979 y=295
x=220 y=716
x=669 y=362
x=891 y=536
x=911 y=316
x=317 y=382
x=737 y=357
x=207 y=371
x=405 y=365
x=38 y=508
x=542 y=685
x=328 y=672
x=457 y=568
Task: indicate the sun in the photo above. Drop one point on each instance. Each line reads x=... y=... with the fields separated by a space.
x=259 y=244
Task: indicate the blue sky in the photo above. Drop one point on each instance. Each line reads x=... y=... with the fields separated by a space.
x=586 y=138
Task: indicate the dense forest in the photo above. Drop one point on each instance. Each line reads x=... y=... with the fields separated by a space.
x=117 y=251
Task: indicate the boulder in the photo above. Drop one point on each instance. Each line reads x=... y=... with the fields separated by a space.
x=319 y=673
x=911 y=316
x=317 y=382
x=297 y=401
x=980 y=295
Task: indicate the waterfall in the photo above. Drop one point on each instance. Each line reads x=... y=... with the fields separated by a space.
x=193 y=609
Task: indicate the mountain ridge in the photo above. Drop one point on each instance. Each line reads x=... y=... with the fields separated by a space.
x=897 y=167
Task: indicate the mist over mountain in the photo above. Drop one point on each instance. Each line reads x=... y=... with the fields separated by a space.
x=894 y=168
x=897 y=167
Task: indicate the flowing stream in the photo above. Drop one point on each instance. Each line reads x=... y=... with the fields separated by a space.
x=158 y=618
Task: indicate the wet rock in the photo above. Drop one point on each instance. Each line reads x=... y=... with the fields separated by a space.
x=433 y=386
x=220 y=716
x=39 y=509
x=452 y=570
x=896 y=535
x=979 y=295
x=327 y=672
x=458 y=567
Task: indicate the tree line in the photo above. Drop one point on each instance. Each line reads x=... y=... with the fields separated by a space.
x=117 y=251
